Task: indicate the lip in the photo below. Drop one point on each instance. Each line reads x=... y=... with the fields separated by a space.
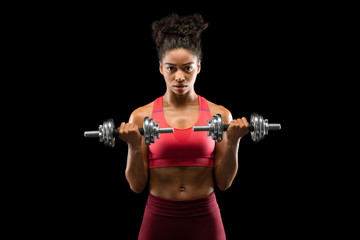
x=180 y=87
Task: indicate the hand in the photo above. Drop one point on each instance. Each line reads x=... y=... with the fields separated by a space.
x=237 y=129
x=129 y=132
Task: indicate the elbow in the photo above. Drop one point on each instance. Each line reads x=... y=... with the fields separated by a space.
x=224 y=186
x=136 y=189
x=224 y=182
x=136 y=185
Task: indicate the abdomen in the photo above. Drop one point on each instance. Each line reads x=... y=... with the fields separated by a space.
x=181 y=183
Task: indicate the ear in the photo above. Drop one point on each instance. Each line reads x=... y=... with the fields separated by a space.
x=161 y=68
x=198 y=66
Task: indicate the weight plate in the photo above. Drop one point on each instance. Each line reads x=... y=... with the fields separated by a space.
x=108 y=130
x=151 y=128
x=212 y=128
x=259 y=127
x=254 y=121
x=146 y=131
x=220 y=127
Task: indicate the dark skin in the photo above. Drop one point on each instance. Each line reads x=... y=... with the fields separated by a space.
x=181 y=110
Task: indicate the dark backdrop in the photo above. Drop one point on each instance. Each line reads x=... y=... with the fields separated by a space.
x=104 y=65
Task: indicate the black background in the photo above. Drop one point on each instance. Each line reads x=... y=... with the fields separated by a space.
x=100 y=62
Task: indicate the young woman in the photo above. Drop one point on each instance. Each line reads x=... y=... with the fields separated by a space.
x=181 y=168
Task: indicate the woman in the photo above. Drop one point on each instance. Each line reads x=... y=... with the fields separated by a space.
x=183 y=167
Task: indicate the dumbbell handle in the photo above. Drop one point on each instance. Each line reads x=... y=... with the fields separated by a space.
x=141 y=130
x=272 y=126
x=95 y=134
x=251 y=127
x=91 y=134
x=116 y=132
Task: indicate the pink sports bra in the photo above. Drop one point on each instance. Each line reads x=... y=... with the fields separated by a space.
x=183 y=147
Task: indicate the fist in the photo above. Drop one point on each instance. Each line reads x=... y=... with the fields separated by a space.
x=237 y=129
x=129 y=132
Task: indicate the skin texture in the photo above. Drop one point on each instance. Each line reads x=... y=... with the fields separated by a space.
x=181 y=110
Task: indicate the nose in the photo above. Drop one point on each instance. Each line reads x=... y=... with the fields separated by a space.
x=179 y=77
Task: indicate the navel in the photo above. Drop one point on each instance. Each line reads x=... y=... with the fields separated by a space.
x=182 y=188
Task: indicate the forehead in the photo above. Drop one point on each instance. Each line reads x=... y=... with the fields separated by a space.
x=179 y=56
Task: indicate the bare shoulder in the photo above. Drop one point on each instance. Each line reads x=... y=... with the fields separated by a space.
x=225 y=113
x=138 y=115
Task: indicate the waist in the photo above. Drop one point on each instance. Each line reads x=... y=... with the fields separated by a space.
x=182 y=208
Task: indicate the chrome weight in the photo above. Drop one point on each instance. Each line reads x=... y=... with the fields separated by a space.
x=259 y=127
x=107 y=132
x=151 y=130
x=216 y=127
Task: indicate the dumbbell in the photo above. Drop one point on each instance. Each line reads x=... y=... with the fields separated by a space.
x=258 y=127
x=107 y=132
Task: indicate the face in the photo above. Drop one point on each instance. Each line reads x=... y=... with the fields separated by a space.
x=180 y=68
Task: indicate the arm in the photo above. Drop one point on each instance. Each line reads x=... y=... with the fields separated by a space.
x=226 y=151
x=137 y=165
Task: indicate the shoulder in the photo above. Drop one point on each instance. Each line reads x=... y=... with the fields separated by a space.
x=138 y=115
x=225 y=113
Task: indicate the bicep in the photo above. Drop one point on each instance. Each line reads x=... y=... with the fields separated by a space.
x=137 y=117
x=220 y=146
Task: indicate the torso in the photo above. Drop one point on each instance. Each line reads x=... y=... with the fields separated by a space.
x=184 y=182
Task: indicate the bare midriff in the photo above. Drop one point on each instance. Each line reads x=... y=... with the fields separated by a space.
x=181 y=183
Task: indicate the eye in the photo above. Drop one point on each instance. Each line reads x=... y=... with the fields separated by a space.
x=170 y=69
x=189 y=69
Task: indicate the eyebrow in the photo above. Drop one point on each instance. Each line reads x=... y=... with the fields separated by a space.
x=172 y=64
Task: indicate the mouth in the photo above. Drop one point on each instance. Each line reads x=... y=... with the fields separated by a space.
x=180 y=86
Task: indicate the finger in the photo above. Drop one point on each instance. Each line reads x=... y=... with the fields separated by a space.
x=246 y=123
x=240 y=122
x=126 y=128
x=233 y=123
x=121 y=128
x=244 y=119
x=133 y=127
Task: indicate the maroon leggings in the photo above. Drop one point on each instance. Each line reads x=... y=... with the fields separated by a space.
x=186 y=220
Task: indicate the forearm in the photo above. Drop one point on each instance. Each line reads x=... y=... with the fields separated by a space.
x=136 y=172
x=227 y=166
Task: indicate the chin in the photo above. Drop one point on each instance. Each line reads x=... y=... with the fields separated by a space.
x=181 y=93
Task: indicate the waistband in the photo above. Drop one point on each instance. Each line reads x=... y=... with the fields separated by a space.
x=183 y=208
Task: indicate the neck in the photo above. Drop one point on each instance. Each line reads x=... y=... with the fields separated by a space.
x=170 y=98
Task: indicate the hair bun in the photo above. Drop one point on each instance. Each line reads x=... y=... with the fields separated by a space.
x=181 y=27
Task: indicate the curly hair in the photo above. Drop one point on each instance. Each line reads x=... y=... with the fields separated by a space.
x=174 y=31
